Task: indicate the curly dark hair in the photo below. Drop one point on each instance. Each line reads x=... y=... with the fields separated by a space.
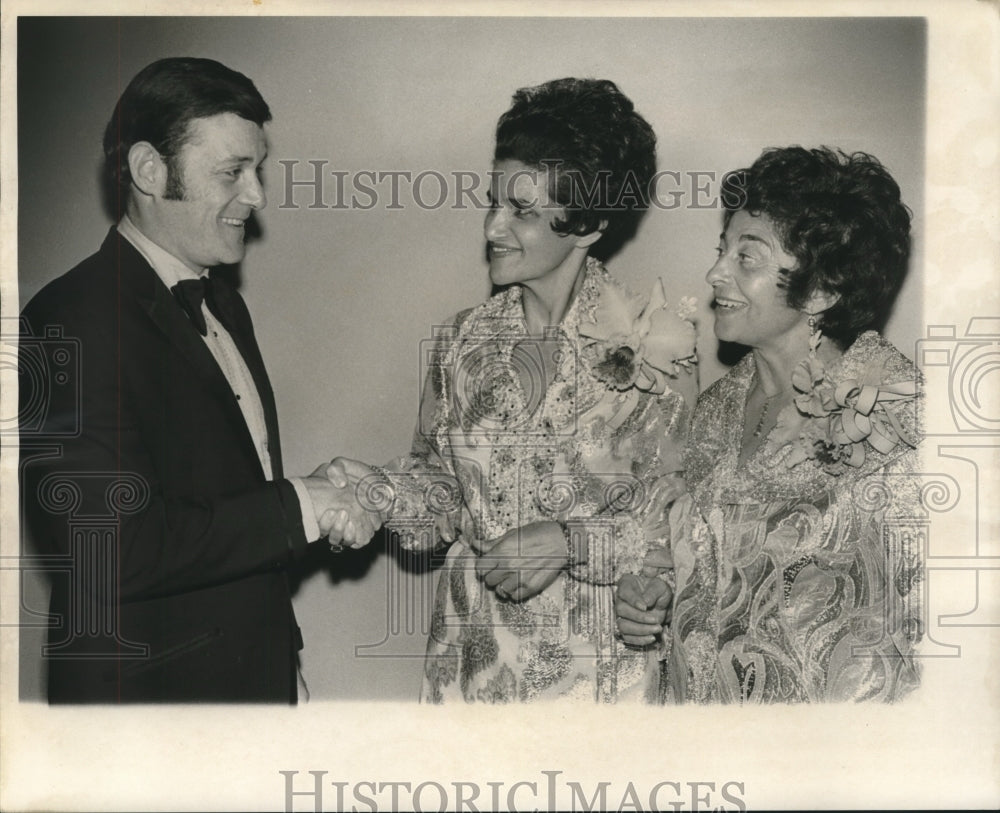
x=842 y=219
x=159 y=104
x=600 y=154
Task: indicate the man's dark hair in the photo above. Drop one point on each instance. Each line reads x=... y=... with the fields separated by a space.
x=160 y=103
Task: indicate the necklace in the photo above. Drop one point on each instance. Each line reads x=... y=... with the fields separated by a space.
x=768 y=400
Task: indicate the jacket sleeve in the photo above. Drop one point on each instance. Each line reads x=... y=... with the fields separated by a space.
x=88 y=471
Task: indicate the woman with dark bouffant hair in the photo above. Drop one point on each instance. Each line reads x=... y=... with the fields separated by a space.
x=548 y=446
x=796 y=558
x=601 y=155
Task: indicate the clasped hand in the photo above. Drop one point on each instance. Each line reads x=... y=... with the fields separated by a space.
x=642 y=602
x=333 y=490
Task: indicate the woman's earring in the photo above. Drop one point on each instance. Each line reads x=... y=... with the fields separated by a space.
x=815 y=334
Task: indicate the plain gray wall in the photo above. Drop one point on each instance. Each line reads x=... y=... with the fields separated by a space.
x=342 y=299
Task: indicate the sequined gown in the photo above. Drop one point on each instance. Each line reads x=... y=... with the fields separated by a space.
x=575 y=451
x=794 y=584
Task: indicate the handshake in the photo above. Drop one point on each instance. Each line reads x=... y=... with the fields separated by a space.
x=333 y=489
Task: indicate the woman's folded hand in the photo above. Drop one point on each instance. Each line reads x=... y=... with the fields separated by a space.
x=524 y=561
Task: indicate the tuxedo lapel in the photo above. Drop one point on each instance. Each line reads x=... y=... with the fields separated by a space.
x=138 y=282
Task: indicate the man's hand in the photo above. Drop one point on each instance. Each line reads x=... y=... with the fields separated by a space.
x=524 y=561
x=338 y=513
x=641 y=604
x=343 y=470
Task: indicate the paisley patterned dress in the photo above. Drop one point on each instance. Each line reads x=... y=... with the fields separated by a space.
x=517 y=451
x=795 y=583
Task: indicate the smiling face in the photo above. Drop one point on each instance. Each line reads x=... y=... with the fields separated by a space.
x=750 y=308
x=523 y=248
x=218 y=168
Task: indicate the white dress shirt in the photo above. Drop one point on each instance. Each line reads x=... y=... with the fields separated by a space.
x=170 y=270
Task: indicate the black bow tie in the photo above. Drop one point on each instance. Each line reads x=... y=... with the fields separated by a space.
x=190 y=293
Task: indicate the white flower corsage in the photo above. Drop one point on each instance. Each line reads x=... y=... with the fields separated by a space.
x=632 y=344
x=834 y=423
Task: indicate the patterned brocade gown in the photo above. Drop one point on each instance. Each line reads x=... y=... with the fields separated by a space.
x=604 y=462
x=795 y=584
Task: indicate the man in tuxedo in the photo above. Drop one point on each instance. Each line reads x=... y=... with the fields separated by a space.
x=151 y=463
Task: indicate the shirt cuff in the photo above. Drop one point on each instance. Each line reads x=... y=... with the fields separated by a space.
x=309 y=523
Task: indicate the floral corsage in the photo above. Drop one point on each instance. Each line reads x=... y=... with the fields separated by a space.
x=634 y=344
x=833 y=423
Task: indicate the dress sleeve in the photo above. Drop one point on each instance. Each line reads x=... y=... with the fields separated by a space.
x=417 y=491
x=636 y=539
x=880 y=519
x=876 y=657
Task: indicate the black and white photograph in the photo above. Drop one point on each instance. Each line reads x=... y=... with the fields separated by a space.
x=499 y=406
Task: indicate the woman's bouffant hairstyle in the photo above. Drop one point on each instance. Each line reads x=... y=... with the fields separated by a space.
x=160 y=103
x=842 y=219
x=600 y=154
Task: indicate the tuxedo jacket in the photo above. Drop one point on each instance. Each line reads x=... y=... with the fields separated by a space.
x=146 y=499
